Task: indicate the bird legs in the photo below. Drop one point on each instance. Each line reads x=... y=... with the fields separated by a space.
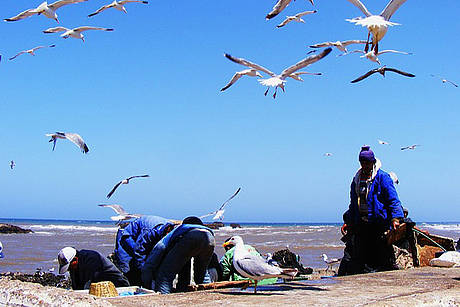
x=274 y=94
x=366 y=48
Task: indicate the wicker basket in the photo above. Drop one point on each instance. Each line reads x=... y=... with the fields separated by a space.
x=103 y=289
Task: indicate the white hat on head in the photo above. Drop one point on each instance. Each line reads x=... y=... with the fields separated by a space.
x=65 y=256
x=1 y=250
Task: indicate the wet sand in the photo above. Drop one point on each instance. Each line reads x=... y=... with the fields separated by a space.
x=414 y=287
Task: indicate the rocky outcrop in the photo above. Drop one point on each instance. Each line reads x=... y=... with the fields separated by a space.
x=8 y=228
x=39 y=277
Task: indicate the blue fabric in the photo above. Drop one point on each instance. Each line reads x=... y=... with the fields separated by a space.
x=382 y=199
x=155 y=257
x=121 y=256
x=135 y=229
x=147 y=241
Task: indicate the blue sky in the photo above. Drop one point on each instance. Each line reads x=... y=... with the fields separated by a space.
x=146 y=100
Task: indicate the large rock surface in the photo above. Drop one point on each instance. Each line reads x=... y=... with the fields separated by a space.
x=8 y=228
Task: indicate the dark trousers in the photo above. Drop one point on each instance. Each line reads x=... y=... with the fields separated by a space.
x=196 y=243
x=366 y=250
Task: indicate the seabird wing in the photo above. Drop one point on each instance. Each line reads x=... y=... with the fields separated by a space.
x=55 y=5
x=392 y=51
x=279 y=6
x=407 y=74
x=55 y=30
x=22 y=52
x=113 y=190
x=305 y=62
x=321 y=45
x=235 y=78
x=373 y=71
x=138 y=176
x=132 y=1
x=391 y=8
x=86 y=28
x=353 y=41
x=247 y=63
x=452 y=83
x=103 y=8
x=77 y=140
x=22 y=15
x=228 y=200
x=301 y=14
x=285 y=22
x=256 y=267
x=117 y=208
x=360 y=6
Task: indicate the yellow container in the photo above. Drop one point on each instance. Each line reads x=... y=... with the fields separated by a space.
x=103 y=289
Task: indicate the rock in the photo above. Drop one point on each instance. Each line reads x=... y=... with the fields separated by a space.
x=234 y=225
x=42 y=278
x=215 y=225
x=8 y=228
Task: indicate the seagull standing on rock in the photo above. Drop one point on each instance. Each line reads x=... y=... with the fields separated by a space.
x=330 y=261
x=76 y=32
x=254 y=266
x=45 y=9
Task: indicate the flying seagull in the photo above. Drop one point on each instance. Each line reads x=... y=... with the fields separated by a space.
x=124 y=181
x=31 y=51
x=410 y=147
x=254 y=266
x=372 y=56
x=12 y=164
x=119 y=5
x=383 y=142
x=219 y=213
x=45 y=9
x=75 y=33
x=376 y=24
x=279 y=6
x=330 y=262
x=73 y=137
x=382 y=70
x=445 y=80
x=279 y=80
x=341 y=45
x=247 y=72
x=296 y=17
x=122 y=214
x=328 y=154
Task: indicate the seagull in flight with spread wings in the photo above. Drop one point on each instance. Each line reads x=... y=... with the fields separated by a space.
x=76 y=32
x=122 y=214
x=382 y=70
x=124 y=181
x=31 y=51
x=376 y=24
x=73 y=137
x=119 y=5
x=372 y=56
x=410 y=147
x=45 y=9
x=219 y=213
x=12 y=164
x=383 y=142
x=341 y=45
x=297 y=17
x=279 y=80
x=445 y=80
x=279 y=6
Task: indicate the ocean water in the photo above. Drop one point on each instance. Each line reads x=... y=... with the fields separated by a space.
x=27 y=252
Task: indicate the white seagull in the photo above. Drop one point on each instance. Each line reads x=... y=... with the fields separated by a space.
x=73 y=137
x=445 y=80
x=12 y=164
x=254 y=266
x=394 y=177
x=45 y=9
x=247 y=72
x=410 y=147
x=341 y=45
x=383 y=142
x=297 y=17
x=219 y=213
x=75 y=33
x=376 y=24
x=279 y=80
x=328 y=154
x=122 y=214
x=124 y=181
x=330 y=262
x=31 y=51
x=371 y=55
x=119 y=5
x=279 y=6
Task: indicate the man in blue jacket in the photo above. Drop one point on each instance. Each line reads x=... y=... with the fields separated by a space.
x=127 y=245
x=374 y=209
x=172 y=255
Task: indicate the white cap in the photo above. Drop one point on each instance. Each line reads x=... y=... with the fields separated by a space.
x=65 y=256
x=1 y=250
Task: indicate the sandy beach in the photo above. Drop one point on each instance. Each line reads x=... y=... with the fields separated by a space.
x=426 y=286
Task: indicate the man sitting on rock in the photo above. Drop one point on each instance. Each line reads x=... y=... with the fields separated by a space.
x=88 y=266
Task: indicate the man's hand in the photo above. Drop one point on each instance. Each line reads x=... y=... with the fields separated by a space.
x=395 y=223
x=344 y=229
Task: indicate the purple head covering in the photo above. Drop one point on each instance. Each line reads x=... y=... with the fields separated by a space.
x=366 y=154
